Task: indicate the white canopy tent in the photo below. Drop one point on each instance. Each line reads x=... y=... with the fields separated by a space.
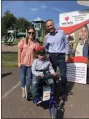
x=85 y=3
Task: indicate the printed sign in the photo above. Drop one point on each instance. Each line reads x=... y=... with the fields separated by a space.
x=46 y=93
x=77 y=70
x=71 y=21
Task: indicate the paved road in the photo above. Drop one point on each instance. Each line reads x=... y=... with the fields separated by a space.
x=13 y=106
x=8 y=48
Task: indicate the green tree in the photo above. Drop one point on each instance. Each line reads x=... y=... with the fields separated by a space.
x=22 y=24
x=2 y=27
x=8 y=20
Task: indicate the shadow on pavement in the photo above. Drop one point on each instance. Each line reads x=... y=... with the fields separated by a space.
x=88 y=75
x=5 y=74
x=62 y=99
x=45 y=105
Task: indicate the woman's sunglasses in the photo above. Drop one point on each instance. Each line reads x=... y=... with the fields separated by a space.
x=31 y=33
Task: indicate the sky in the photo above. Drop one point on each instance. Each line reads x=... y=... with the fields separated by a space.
x=30 y=10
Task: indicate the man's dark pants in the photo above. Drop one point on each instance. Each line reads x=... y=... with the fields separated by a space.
x=58 y=60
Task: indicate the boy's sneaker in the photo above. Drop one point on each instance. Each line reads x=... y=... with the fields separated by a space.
x=37 y=100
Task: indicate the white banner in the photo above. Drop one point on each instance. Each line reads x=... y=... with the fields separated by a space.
x=77 y=69
x=73 y=18
x=72 y=21
x=77 y=72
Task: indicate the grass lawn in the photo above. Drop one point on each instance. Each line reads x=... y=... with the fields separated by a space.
x=9 y=59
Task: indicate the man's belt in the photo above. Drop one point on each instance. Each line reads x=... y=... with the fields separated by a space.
x=57 y=53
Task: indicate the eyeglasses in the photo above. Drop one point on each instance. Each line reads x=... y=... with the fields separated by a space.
x=31 y=33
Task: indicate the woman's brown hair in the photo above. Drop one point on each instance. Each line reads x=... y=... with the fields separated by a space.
x=30 y=27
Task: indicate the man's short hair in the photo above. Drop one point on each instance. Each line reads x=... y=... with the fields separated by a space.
x=49 y=20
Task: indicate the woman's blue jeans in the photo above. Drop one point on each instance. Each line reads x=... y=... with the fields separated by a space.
x=26 y=75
